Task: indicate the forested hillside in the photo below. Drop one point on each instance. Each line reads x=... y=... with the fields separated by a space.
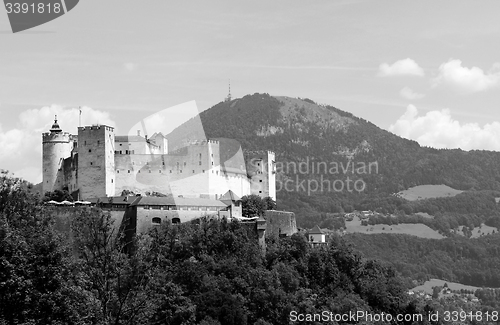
x=302 y=131
x=469 y=261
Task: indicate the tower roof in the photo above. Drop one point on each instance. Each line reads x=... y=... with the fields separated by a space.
x=55 y=127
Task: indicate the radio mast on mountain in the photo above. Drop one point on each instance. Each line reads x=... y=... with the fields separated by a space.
x=228 y=98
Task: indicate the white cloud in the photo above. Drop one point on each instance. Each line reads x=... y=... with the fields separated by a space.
x=439 y=130
x=474 y=79
x=401 y=67
x=130 y=66
x=21 y=147
x=408 y=93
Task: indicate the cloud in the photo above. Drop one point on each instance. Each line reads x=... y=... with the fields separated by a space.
x=408 y=93
x=130 y=66
x=454 y=75
x=438 y=129
x=21 y=146
x=401 y=67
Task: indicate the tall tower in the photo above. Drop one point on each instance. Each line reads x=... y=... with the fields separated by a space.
x=261 y=167
x=56 y=146
x=96 y=161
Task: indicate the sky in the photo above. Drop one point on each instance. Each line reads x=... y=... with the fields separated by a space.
x=424 y=70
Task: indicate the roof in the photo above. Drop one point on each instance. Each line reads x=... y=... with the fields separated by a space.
x=124 y=200
x=129 y=138
x=179 y=201
x=230 y=196
x=316 y=230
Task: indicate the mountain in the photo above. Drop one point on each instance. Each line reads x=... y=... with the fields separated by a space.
x=336 y=148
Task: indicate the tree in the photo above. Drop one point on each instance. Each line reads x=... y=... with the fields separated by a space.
x=270 y=203
x=121 y=284
x=253 y=205
x=58 y=196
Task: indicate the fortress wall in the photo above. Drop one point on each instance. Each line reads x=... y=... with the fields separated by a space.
x=145 y=217
x=220 y=183
x=69 y=173
x=280 y=222
x=159 y=173
x=64 y=215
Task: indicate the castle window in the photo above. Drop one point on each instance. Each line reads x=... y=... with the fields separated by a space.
x=163 y=163
x=200 y=155
x=171 y=171
x=118 y=171
x=138 y=171
x=203 y=170
x=184 y=163
x=212 y=155
x=181 y=170
x=212 y=163
x=91 y=163
x=84 y=143
x=133 y=163
x=150 y=171
x=260 y=181
x=129 y=171
x=200 y=163
x=156 y=221
x=120 y=144
x=159 y=171
x=98 y=142
x=90 y=150
x=260 y=192
x=193 y=171
x=176 y=221
x=111 y=181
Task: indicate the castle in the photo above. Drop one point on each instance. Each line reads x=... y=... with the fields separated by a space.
x=97 y=163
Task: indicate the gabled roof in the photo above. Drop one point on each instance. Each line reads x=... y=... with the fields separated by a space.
x=230 y=196
x=316 y=231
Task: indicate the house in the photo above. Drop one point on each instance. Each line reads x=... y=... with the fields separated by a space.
x=316 y=236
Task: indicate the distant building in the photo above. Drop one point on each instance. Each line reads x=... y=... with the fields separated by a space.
x=316 y=236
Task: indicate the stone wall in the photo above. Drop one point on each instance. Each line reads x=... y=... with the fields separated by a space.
x=280 y=223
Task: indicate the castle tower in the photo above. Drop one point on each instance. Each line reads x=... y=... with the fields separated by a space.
x=261 y=168
x=56 y=146
x=96 y=161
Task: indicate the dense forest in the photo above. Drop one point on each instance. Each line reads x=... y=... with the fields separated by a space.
x=207 y=272
x=468 y=261
x=299 y=130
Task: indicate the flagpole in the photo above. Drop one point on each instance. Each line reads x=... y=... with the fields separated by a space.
x=80 y=117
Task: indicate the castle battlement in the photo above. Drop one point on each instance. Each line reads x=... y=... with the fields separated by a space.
x=96 y=127
x=56 y=137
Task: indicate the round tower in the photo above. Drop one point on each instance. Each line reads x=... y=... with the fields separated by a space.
x=56 y=146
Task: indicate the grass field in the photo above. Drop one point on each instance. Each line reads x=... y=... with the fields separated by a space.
x=419 y=230
x=428 y=191
x=478 y=232
x=428 y=285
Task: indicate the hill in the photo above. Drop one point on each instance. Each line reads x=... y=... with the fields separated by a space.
x=301 y=131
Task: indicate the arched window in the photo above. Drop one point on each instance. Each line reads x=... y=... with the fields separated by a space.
x=176 y=221
x=156 y=221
